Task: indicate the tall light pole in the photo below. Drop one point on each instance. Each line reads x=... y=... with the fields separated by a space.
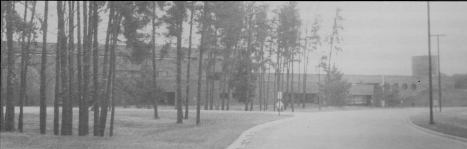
x=439 y=70
x=429 y=67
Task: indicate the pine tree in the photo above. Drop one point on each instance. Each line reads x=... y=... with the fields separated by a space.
x=116 y=32
x=333 y=39
x=87 y=38
x=95 y=66
x=10 y=110
x=79 y=64
x=71 y=73
x=204 y=24
x=154 y=66
x=3 y=10
x=66 y=126
x=175 y=16
x=43 y=87
x=25 y=62
x=107 y=76
x=188 y=68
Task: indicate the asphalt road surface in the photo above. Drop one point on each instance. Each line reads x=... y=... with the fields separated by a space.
x=362 y=129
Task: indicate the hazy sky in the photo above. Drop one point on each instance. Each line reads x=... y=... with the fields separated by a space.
x=379 y=37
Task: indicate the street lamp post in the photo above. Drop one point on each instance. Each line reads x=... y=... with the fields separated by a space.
x=429 y=67
x=439 y=70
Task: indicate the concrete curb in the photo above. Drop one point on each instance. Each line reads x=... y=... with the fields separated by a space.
x=246 y=136
x=454 y=138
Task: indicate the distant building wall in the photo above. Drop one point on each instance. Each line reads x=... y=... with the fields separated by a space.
x=420 y=66
x=407 y=85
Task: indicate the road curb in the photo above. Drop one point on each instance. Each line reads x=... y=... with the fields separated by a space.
x=243 y=140
x=455 y=138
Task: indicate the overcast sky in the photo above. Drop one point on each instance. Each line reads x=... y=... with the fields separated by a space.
x=379 y=37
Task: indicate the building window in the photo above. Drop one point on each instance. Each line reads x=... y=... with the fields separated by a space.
x=395 y=86
x=413 y=87
x=404 y=86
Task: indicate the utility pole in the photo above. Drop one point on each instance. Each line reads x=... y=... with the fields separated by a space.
x=429 y=67
x=439 y=70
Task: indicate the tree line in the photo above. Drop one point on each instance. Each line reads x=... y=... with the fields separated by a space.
x=248 y=41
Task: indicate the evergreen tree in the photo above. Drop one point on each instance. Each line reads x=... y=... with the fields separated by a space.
x=66 y=125
x=28 y=30
x=204 y=23
x=340 y=87
x=333 y=39
x=10 y=110
x=174 y=18
x=43 y=87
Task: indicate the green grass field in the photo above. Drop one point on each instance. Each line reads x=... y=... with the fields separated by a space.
x=452 y=122
x=136 y=128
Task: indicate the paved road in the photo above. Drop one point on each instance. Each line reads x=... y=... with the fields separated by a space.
x=363 y=129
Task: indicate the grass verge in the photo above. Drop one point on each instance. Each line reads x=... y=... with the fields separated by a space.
x=452 y=122
x=136 y=128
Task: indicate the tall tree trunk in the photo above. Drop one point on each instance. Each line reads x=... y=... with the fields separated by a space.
x=71 y=73
x=211 y=96
x=43 y=88
x=305 y=58
x=113 y=65
x=86 y=66
x=200 y=63
x=29 y=42
x=106 y=77
x=261 y=80
x=58 y=96
x=276 y=77
x=229 y=72
x=64 y=76
x=329 y=64
x=288 y=77
x=105 y=63
x=225 y=65
x=179 y=64
x=112 y=113
x=95 y=66
x=284 y=81
x=261 y=91
x=269 y=75
x=299 y=82
x=292 y=97
x=79 y=62
x=3 y=3
x=188 y=67
x=23 y=73
x=9 y=109
x=26 y=62
x=223 y=85
x=154 y=66
x=248 y=69
x=206 y=103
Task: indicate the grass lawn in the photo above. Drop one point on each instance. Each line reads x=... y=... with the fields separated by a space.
x=452 y=122
x=136 y=128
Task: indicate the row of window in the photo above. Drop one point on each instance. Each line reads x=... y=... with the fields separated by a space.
x=404 y=86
